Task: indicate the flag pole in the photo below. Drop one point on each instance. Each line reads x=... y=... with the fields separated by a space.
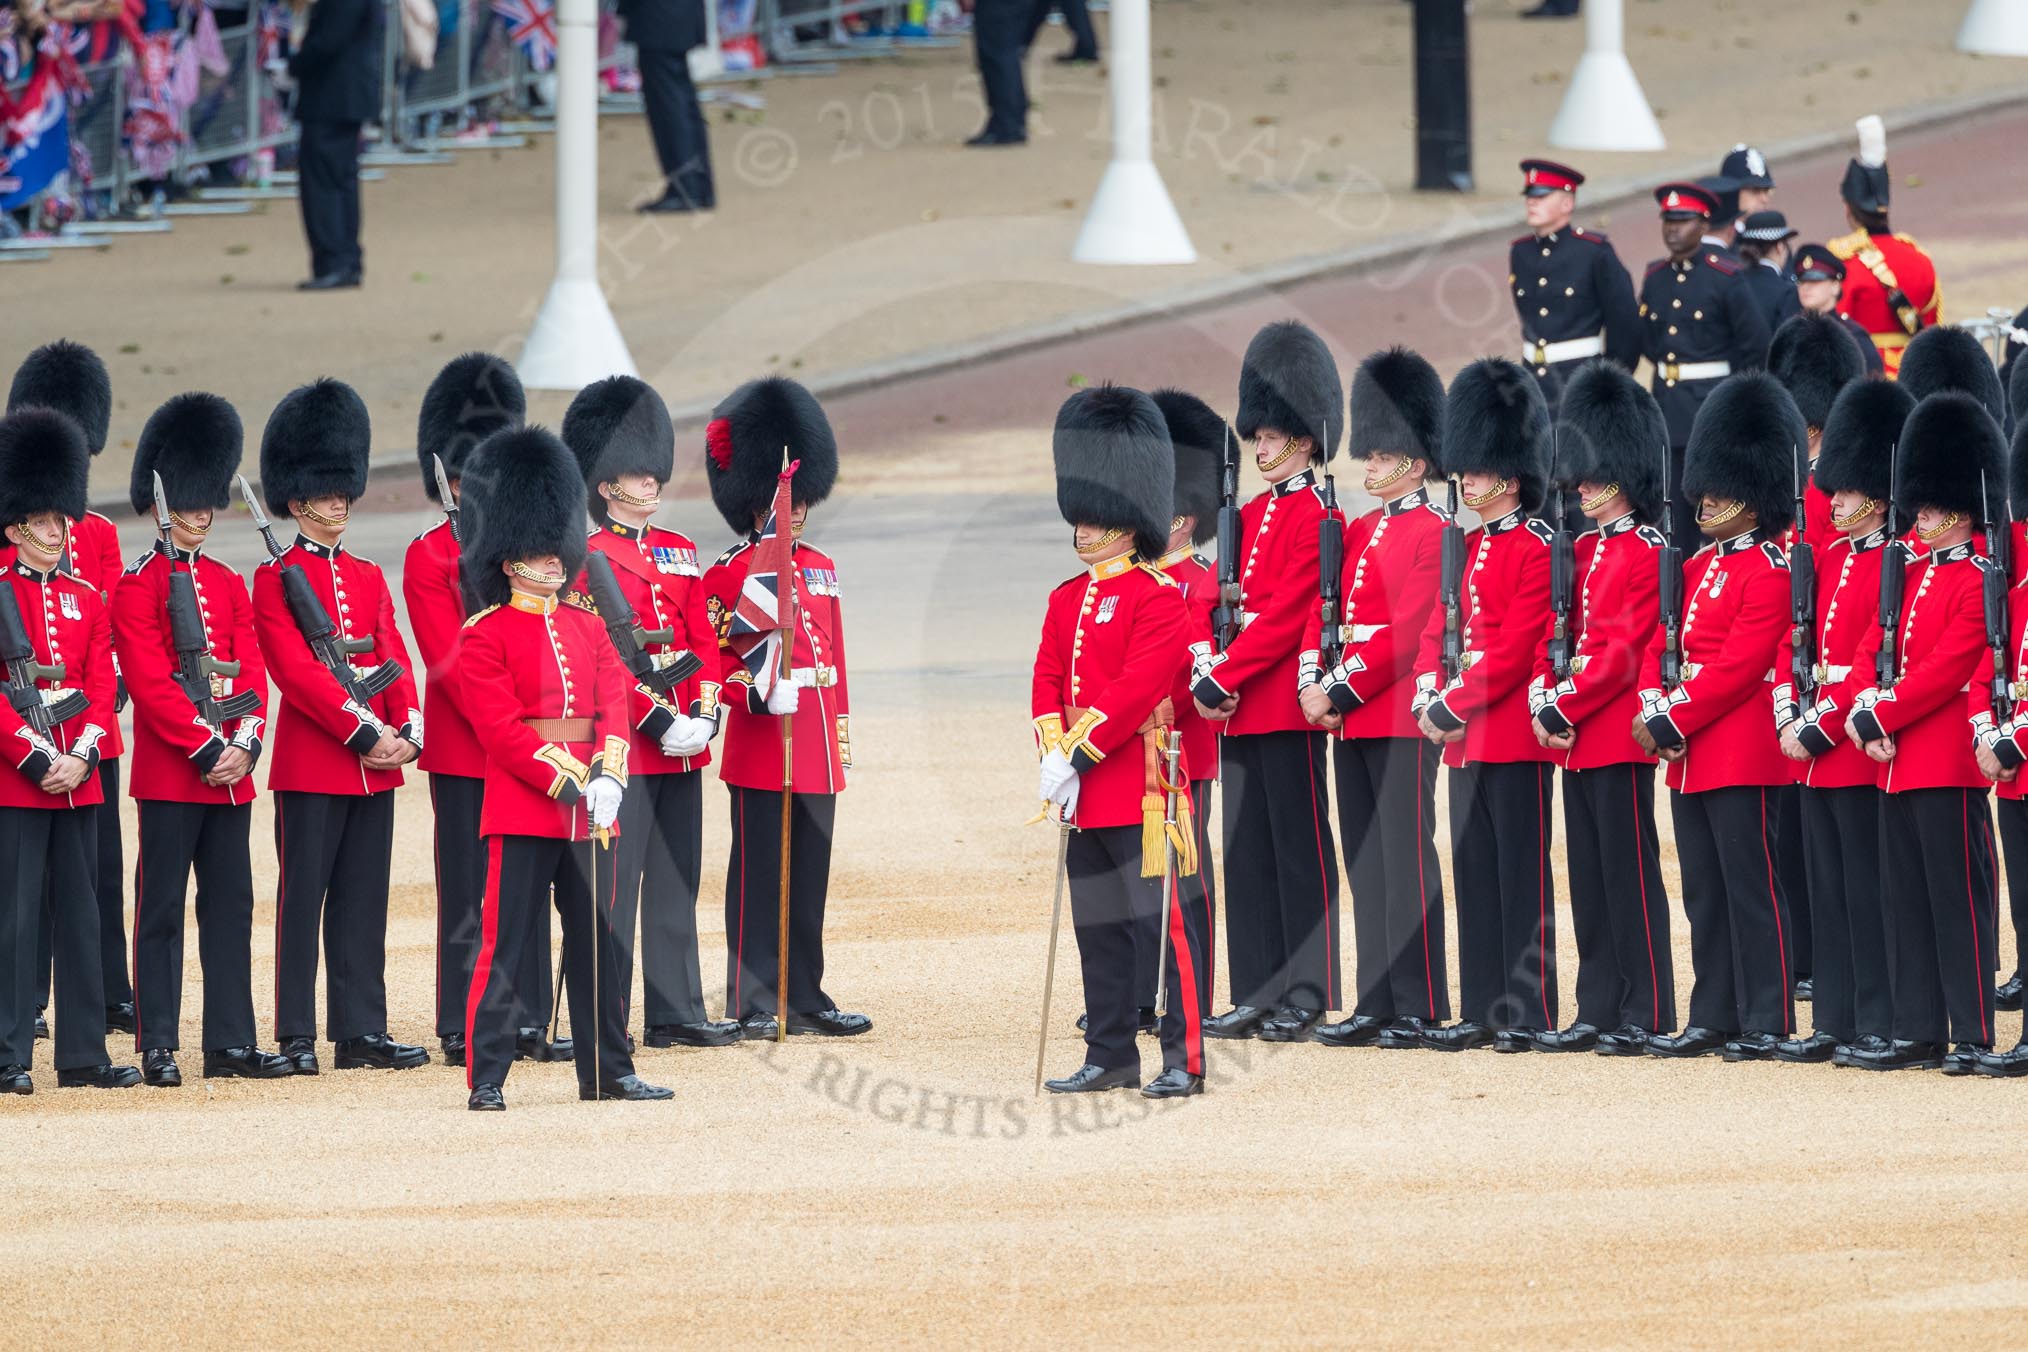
x=788 y=584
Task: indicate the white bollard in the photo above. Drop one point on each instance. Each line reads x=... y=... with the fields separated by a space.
x=1605 y=108
x=1132 y=219
x=1995 y=28
x=575 y=340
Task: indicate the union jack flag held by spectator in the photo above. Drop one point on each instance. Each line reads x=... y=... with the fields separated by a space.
x=532 y=26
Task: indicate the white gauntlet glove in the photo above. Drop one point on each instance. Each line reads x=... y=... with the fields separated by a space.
x=782 y=699
x=687 y=736
x=602 y=798
x=1057 y=771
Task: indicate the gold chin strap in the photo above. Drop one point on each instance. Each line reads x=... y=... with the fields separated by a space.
x=620 y=494
x=1289 y=448
x=54 y=546
x=194 y=530
x=1175 y=524
x=1604 y=496
x=1730 y=512
x=1113 y=533
x=796 y=527
x=1402 y=465
x=1859 y=513
x=1479 y=500
x=523 y=571
x=328 y=522
x=1941 y=527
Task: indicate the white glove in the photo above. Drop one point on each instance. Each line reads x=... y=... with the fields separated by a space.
x=602 y=797
x=1057 y=771
x=1066 y=800
x=687 y=736
x=782 y=699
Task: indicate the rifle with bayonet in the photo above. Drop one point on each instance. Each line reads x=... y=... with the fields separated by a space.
x=1893 y=579
x=1993 y=593
x=1225 y=615
x=1562 y=575
x=1669 y=586
x=1802 y=599
x=1330 y=565
x=195 y=666
x=660 y=672
x=1451 y=589
x=29 y=700
x=447 y=499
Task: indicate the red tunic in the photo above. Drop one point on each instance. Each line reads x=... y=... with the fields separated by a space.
x=1930 y=709
x=1506 y=620
x=1393 y=557
x=1278 y=608
x=319 y=735
x=67 y=625
x=436 y=616
x=173 y=746
x=1735 y=649
x=658 y=573
x=1198 y=581
x=752 y=755
x=1618 y=608
x=1113 y=643
x=1864 y=297
x=547 y=659
x=1848 y=605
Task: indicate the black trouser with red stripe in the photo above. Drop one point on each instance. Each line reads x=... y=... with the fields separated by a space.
x=2014 y=837
x=1841 y=837
x=52 y=849
x=212 y=841
x=1387 y=817
x=522 y=874
x=1108 y=896
x=1791 y=870
x=1281 y=883
x=661 y=861
x=1939 y=922
x=752 y=901
x=461 y=894
x=111 y=879
x=335 y=851
x=1619 y=902
x=1739 y=940
x=1197 y=896
x=1506 y=896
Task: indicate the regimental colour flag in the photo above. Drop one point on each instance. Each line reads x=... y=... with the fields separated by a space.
x=755 y=631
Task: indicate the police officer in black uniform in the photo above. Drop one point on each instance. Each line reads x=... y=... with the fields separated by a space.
x=1702 y=324
x=1820 y=283
x=1764 y=247
x=1747 y=169
x=1571 y=292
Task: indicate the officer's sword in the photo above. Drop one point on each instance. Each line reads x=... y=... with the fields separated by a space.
x=1055 y=927
x=1172 y=756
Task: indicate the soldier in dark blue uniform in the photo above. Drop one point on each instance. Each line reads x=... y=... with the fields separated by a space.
x=1820 y=284
x=1764 y=247
x=1573 y=295
x=1701 y=324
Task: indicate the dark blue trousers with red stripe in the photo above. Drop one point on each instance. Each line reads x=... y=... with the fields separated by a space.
x=1732 y=897
x=1933 y=876
x=1197 y=896
x=1619 y=901
x=1506 y=894
x=1387 y=814
x=1281 y=881
x=461 y=894
x=753 y=901
x=1107 y=896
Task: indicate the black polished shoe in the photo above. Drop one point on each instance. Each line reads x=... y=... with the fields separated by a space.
x=1552 y=9
x=1579 y=1037
x=2007 y=995
x=758 y=1026
x=1405 y=1034
x=1842 y=1054
x=628 y=1089
x=378 y=1051
x=1817 y=1047
x=1461 y=1036
x=331 y=281
x=159 y=1068
x=1751 y=1047
x=829 y=1023
x=2011 y=1064
x=120 y=1017
x=1806 y=990
x=533 y=1044
x=675 y=203
x=1076 y=58
x=1089 y=1079
x=1358 y=1031
x=1689 y=1042
x=703 y=1033
x=1511 y=1040
x=15 y=1080
x=98 y=1077
x=1900 y=1054
x=989 y=138
x=246 y=1063
x=301 y=1053
x=1291 y=1025
x=41 y=1025
x=1628 y=1039
x=486 y=1098
x=1241 y=1021
x=451 y=1046
x=1964 y=1058
x=1175 y=1082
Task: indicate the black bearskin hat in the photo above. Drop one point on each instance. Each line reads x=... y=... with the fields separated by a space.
x=44 y=466
x=743 y=446
x=1747 y=444
x=522 y=494
x=1610 y=430
x=2017 y=471
x=1288 y=381
x=70 y=378
x=1951 y=456
x=2017 y=379
x=1496 y=422
x=1397 y=407
x=1200 y=438
x=1859 y=438
x=1947 y=357
x=1114 y=465
x=1814 y=358
x=617 y=426
x=317 y=441
x=194 y=442
x=473 y=397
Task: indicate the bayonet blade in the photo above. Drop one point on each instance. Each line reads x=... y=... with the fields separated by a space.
x=161 y=504
x=450 y=503
x=252 y=504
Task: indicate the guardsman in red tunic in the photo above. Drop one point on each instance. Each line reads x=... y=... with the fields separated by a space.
x=2003 y=750
x=474 y=396
x=193 y=761
x=61 y=650
x=548 y=700
x=1281 y=884
x=1113 y=642
x=337 y=761
x=1386 y=771
x=1891 y=286
x=1614 y=446
x=69 y=378
x=1717 y=728
x=1496 y=443
x=619 y=431
x=744 y=447
x=1853 y=1008
x=1921 y=725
